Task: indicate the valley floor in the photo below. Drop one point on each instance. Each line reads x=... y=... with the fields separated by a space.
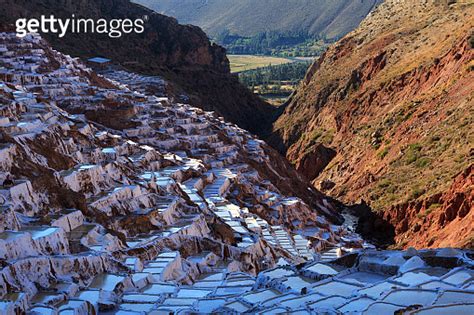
x=240 y=63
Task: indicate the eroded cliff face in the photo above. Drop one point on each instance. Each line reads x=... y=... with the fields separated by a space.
x=181 y=53
x=394 y=99
x=441 y=220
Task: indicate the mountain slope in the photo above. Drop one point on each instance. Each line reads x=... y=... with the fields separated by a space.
x=181 y=54
x=331 y=19
x=394 y=100
x=175 y=210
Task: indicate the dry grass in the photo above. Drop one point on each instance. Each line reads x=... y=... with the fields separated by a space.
x=239 y=63
x=410 y=137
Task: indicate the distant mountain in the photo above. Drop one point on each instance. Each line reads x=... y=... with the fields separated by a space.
x=271 y=22
x=331 y=19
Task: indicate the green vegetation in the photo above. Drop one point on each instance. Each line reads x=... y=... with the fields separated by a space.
x=384 y=183
x=285 y=28
x=412 y=153
x=417 y=192
x=432 y=207
x=290 y=72
x=320 y=136
x=422 y=162
x=276 y=82
x=273 y=43
x=383 y=153
x=427 y=165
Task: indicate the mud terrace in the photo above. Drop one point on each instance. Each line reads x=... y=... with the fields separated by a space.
x=117 y=200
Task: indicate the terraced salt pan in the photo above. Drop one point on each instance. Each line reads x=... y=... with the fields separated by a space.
x=237 y=306
x=159 y=289
x=211 y=166
x=257 y=297
x=179 y=302
x=357 y=305
x=294 y=303
x=297 y=283
x=382 y=308
x=137 y=307
x=336 y=288
x=322 y=269
x=192 y=293
x=229 y=291
x=205 y=306
x=377 y=290
x=459 y=277
x=459 y=309
x=328 y=303
x=139 y=298
x=277 y=273
x=411 y=297
x=363 y=278
x=453 y=297
x=414 y=278
x=436 y=284
x=40 y=232
x=42 y=310
x=107 y=282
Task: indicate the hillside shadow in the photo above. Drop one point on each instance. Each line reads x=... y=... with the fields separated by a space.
x=372 y=226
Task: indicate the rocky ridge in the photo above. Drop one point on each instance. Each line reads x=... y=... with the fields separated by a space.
x=385 y=117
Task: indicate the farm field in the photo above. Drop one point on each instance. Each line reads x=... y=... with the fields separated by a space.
x=240 y=63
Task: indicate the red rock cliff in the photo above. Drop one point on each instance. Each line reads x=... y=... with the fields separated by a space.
x=394 y=100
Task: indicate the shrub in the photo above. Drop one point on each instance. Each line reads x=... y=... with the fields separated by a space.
x=411 y=157
x=412 y=153
x=392 y=190
x=328 y=136
x=433 y=206
x=384 y=183
x=417 y=192
x=415 y=147
x=423 y=162
x=382 y=154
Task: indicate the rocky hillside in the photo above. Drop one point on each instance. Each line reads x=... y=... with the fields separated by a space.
x=329 y=19
x=116 y=200
x=386 y=115
x=181 y=54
